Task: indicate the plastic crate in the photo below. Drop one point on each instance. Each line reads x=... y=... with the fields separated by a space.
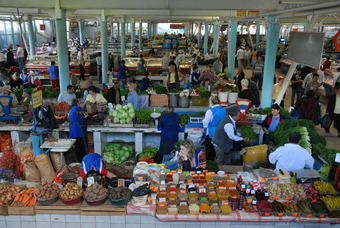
x=195 y=121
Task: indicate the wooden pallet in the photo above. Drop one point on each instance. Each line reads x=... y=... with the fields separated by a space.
x=105 y=209
x=4 y=210
x=58 y=208
x=21 y=210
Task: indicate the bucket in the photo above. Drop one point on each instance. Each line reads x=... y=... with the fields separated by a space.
x=223 y=96
x=232 y=97
x=183 y=102
x=173 y=99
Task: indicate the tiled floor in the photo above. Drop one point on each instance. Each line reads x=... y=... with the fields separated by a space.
x=133 y=221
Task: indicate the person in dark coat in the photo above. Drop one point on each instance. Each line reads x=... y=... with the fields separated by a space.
x=333 y=109
x=253 y=87
x=168 y=124
x=113 y=94
x=239 y=77
x=10 y=57
x=309 y=108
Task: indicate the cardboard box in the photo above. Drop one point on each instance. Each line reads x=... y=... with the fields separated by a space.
x=231 y=168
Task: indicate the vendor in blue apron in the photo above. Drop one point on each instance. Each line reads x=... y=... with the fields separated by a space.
x=78 y=129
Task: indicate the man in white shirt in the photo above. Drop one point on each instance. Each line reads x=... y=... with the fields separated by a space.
x=240 y=56
x=208 y=56
x=321 y=75
x=20 y=55
x=68 y=95
x=308 y=78
x=224 y=136
x=292 y=156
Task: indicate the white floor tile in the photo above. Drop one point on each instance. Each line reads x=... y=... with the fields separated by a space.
x=58 y=218
x=43 y=224
x=88 y=225
x=58 y=225
x=103 y=219
x=13 y=224
x=87 y=218
x=117 y=219
x=133 y=219
x=72 y=218
x=28 y=218
x=73 y=225
x=43 y=217
x=31 y=224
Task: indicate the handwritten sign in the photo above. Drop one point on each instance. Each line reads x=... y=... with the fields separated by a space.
x=37 y=99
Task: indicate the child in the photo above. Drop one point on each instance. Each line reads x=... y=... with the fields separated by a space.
x=195 y=75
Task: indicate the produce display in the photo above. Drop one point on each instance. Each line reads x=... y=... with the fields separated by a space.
x=305 y=206
x=286 y=191
x=25 y=198
x=123 y=114
x=62 y=106
x=119 y=193
x=264 y=206
x=95 y=192
x=324 y=187
x=332 y=202
x=291 y=207
x=248 y=132
x=117 y=153
x=71 y=191
x=312 y=193
x=47 y=191
x=8 y=193
x=278 y=206
x=148 y=154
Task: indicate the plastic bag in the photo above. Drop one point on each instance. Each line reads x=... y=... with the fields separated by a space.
x=8 y=160
x=31 y=171
x=7 y=174
x=326 y=122
x=45 y=168
x=255 y=153
x=196 y=136
x=56 y=157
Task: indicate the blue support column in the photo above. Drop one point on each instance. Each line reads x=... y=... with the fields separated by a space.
x=232 y=49
x=155 y=31
x=257 y=35
x=269 y=63
x=133 y=35
x=80 y=26
x=31 y=36
x=118 y=29
x=112 y=30
x=64 y=70
x=105 y=54
x=149 y=30
x=216 y=37
x=122 y=39
x=206 y=37
x=199 y=35
x=140 y=38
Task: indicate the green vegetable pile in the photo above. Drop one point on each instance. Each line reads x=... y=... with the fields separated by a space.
x=48 y=93
x=124 y=92
x=248 y=132
x=79 y=93
x=143 y=116
x=173 y=91
x=117 y=153
x=268 y=111
x=142 y=91
x=123 y=114
x=281 y=137
x=18 y=92
x=160 y=89
x=212 y=166
x=149 y=151
x=183 y=119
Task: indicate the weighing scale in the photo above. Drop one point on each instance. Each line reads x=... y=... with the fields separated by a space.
x=5 y=103
x=155 y=115
x=243 y=106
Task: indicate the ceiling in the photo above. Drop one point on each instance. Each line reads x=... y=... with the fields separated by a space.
x=159 y=11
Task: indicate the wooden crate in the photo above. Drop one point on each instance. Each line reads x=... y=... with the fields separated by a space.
x=159 y=100
x=58 y=208
x=4 y=210
x=21 y=210
x=105 y=209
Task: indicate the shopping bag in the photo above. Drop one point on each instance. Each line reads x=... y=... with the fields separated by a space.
x=326 y=122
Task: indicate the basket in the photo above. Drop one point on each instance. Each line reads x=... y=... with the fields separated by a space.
x=139 y=200
x=96 y=202
x=47 y=201
x=198 y=101
x=119 y=202
x=72 y=201
x=159 y=100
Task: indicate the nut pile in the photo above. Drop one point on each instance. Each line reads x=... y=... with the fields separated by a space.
x=119 y=193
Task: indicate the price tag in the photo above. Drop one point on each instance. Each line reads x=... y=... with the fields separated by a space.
x=322 y=216
x=183 y=203
x=198 y=172
x=266 y=214
x=191 y=185
x=275 y=198
x=266 y=194
x=288 y=198
x=337 y=157
x=202 y=190
x=222 y=187
x=295 y=214
x=161 y=199
x=90 y=181
x=252 y=192
x=173 y=206
x=181 y=182
x=280 y=214
x=162 y=181
x=309 y=215
x=80 y=181
x=225 y=202
x=121 y=183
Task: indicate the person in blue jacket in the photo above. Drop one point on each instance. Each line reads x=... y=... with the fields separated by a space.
x=145 y=83
x=122 y=69
x=168 y=124
x=133 y=96
x=78 y=129
x=212 y=118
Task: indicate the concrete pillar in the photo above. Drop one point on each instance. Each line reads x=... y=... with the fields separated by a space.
x=269 y=63
x=155 y=31
x=31 y=37
x=257 y=35
x=140 y=37
x=12 y=29
x=216 y=39
x=149 y=30
x=133 y=34
x=64 y=70
x=118 y=29
x=199 y=35
x=206 y=37
x=122 y=40
x=105 y=54
x=232 y=49
x=112 y=30
x=80 y=26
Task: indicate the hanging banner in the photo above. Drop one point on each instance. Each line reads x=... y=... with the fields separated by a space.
x=253 y=12
x=177 y=26
x=336 y=41
x=42 y=27
x=241 y=13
